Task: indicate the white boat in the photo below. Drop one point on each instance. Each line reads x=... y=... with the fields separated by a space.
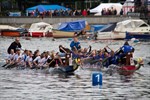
x=40 y=29
x=119 y=32
x=7 y=30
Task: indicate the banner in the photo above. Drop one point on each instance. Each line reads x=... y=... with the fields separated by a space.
x=14 y=13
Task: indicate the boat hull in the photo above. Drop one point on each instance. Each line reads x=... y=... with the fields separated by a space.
x=126 y=70
x=110 y=36
x=62 y=34
x=137 y=35
x=40 y=34
x=11 y=33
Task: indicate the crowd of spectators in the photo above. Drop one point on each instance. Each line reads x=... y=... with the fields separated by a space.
x=60 y=13
x=109 y=11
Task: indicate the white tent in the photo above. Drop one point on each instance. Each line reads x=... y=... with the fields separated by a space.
x=129 y=4
x=99 y=8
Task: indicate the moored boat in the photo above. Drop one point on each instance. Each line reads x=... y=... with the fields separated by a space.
x=62 y=34
x=137 y=26
x=11 y=33
x=40 y=29
x=67 y=29
x=7 y=30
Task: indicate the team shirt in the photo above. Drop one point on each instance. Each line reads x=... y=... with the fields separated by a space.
x=40 y=61
x=10 y=56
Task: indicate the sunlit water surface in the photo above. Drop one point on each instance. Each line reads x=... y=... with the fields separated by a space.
x=32 y=85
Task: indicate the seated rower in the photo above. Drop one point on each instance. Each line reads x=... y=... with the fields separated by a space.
x=17 y=60
x=10 y=57
x=85 y=52
x=113 y=59
x=40 y=60
x=36 y=54
x=65 y=52
x=54 y=60
x=25 y=55
x=29 y=60
x=18 y=56
x=98 y=57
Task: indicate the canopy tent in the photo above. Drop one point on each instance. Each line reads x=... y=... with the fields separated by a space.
x=99 y=8
x=72 y=26
x=129 y=4
x=42 y=8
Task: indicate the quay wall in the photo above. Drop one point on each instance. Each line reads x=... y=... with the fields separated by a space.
x=53 y=20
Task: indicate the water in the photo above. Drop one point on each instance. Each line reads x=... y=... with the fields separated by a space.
x=32 y=85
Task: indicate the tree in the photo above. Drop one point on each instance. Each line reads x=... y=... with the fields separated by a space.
x=1 y=4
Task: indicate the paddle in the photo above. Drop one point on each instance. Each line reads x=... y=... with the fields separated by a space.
x=11 y=65
x=105 y=59
x=4 y=65
x=114 y=54
x=52 y=60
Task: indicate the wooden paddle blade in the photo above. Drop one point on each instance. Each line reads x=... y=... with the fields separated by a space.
x=4 y=65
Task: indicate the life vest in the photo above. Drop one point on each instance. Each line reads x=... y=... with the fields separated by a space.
x=126 y=49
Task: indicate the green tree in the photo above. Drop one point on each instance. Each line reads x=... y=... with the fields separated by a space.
x=1 y=4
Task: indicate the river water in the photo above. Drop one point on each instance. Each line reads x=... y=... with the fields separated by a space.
x=32 y=85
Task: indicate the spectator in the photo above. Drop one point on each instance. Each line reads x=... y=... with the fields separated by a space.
x=74 y=13
x=84 y=13
x=66 y=13
x=88 y=11
x=115 y=11
x=130 y=11
x=102 y=12
x=112 y=11
x=121 y=12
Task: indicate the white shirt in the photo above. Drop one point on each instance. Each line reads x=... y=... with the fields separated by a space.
x=37 y=59
x=42 y=61
x=16 y=57
x=10 y=56
x=30 y=59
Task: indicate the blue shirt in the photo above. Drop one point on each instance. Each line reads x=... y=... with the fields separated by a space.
x=113 y=60
x=76 y=44
x=126 y=49
x=98 y=57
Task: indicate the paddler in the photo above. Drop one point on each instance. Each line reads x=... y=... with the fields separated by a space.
x=14 y=45
x=126 y=53
x=75 y=44
x=29 y=60
x=54 y=60
x=40 y=60
x=10 y=56
x=18 y=59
